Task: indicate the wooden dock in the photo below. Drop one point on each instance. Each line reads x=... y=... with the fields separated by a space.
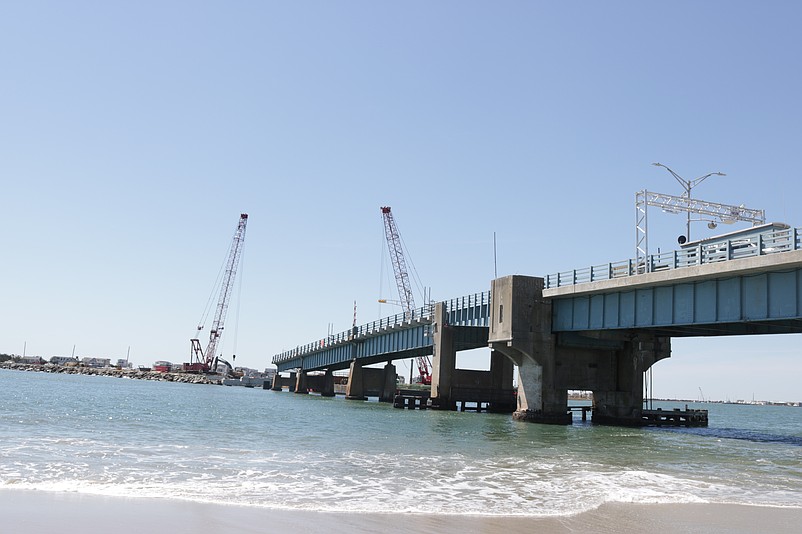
x=411 y=399
x=675 y=417
x=583 y=409
x=660 y=417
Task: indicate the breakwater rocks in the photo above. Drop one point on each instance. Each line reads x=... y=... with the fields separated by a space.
x=184 y=378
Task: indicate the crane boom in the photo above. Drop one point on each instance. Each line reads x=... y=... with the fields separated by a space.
x=402 y=282
x=205 y=359
x=399 y=264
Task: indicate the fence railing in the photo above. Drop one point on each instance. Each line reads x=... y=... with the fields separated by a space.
x=470 y=310
x=773 y=242
x=419 y=315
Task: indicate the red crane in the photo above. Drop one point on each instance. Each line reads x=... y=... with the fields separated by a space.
x=204 y=361
x=402 y=281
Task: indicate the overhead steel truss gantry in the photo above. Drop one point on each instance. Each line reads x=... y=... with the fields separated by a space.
x=723 y=213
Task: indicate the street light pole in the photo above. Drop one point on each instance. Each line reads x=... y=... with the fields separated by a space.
x=688 y=185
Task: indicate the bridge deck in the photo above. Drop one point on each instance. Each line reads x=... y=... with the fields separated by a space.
x=744 y=285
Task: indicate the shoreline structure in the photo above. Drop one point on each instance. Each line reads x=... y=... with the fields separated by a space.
x=184 y=378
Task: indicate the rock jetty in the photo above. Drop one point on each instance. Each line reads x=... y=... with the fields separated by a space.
x=184 y=378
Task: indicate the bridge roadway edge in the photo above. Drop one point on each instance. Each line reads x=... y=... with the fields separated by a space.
x=757 y=295
x=744 y=266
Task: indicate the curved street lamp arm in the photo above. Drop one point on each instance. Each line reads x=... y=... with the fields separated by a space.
x=684 y=183
x=701 y=179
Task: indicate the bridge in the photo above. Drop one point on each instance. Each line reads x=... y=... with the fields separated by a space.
x=598 y=328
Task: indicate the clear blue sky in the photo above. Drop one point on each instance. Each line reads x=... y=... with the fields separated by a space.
x=132 y=134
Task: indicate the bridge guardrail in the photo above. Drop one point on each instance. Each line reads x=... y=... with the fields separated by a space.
x=470 y=310
x=421 y=315
x=728 y=249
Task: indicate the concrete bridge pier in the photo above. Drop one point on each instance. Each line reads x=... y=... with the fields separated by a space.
x=279 y=382
x=610 y=364
x=539 y=399
x=444 y=360
x=618 y=392
x=300 y=382
x=520 y=328
x=355 y=389
x=368 y=381
x=328 y=384
x=276 y=382
x=390 y=383
x=501 y=374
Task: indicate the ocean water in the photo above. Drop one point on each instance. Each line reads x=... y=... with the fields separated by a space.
x=121 y=437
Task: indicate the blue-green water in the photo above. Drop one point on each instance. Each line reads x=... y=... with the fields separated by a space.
x=133 y=438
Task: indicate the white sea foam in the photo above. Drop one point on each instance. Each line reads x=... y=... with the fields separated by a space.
x=452 y=485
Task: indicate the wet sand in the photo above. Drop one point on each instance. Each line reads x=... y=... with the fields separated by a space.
x=34 y=512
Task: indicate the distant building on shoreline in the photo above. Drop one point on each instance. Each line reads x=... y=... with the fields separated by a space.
x=96 y=362
x=64 y=360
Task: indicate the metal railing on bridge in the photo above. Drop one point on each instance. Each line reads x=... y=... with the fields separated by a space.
x=470 y=310
x=707 y=252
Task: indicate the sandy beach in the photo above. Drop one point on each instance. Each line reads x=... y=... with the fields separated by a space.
x=34 y=512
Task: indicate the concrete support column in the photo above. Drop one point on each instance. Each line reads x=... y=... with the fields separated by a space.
x=328 y=384
x=355 y=389
x=618 y=397
x=293 y=381
x=390 y=383
x=539 y=398
x=501 y=375
x=276 y=382
x=530 y=386
x=300 y=383
x=501 y=370
x=520 y=328
x=444 y=360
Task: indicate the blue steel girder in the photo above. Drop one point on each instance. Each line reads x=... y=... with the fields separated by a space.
x=401 y=343
x=395 y=337
x=751 y=303
x=471 y=310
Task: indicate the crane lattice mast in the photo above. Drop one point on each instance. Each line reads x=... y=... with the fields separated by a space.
x=207 y=357
x=399 y=264
x=402 y=282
